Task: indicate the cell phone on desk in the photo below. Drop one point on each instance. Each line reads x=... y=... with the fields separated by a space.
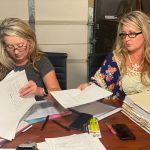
x=80 y=121
x=123 y=132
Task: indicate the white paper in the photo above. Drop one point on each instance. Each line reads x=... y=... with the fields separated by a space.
x=12 y=106
x=75 y=97
x=83 y=141
x=21 y=128
x=43 y=146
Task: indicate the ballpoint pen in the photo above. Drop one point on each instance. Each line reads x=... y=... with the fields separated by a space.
x=111 y=128
x=61 y=125
x=44 y=124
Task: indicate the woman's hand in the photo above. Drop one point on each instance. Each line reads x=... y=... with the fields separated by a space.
x=83 y=86
x=30 y=89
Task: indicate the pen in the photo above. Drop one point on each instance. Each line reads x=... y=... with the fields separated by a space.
x=61 y=125
x=111 y=128
x=44 y=123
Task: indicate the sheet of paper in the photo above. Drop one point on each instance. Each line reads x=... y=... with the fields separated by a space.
x=21 y=127
x=43 y=146
x=75 y=97
x=83 y=141
x=12 y=105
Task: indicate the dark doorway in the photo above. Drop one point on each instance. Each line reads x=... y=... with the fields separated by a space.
x=106 y=14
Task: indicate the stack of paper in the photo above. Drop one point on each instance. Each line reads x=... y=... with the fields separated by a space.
x=137 y=108
x=12 y=106
x=82 y=141
x=75 y=97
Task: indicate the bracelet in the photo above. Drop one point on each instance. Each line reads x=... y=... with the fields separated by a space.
x=44 y=92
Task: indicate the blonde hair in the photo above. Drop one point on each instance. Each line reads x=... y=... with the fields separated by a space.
x=140 y=21
x=19 y=28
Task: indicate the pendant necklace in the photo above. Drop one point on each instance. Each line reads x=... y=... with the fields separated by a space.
x=135 y=66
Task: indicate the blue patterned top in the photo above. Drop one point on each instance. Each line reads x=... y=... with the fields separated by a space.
x=108 y=76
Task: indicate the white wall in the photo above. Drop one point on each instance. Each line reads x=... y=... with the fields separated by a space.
x=60 y=26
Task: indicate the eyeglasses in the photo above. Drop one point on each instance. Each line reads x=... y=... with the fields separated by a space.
x=20 y=47
x=130 y=35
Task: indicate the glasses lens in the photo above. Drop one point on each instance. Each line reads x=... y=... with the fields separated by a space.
x=9 y=47
x=132 y=35
x=122 y=35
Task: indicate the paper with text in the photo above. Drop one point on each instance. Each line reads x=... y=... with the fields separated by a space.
x=82 y=141
x=75 y=97
x=12 y=106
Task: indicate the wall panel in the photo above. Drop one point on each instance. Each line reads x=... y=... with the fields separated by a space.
x=76 y=51
x=61 y=10
x=14 y=8
x=61 y=34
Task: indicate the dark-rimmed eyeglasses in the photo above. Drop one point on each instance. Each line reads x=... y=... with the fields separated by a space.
x=130 y=35
x=20 y=47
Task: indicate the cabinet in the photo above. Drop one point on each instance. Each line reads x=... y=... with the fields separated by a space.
x=104 y=30
x=105 y=33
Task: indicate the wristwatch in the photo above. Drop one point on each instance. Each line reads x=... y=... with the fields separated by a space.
x=45 y=93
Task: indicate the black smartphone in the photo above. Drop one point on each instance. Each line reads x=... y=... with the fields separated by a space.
x=80 y=121
x=123 y=132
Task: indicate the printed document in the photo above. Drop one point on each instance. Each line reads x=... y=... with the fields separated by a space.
x=82 y=141
x=12 y=106
x=75 y=97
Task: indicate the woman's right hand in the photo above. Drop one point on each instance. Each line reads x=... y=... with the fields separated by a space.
x=83 y=86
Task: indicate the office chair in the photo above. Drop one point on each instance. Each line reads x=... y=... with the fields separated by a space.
x=94 y=62
x=59 y=61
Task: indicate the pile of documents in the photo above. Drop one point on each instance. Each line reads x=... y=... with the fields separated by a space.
x=137 y=108
x=12 y=106
x=82 y=141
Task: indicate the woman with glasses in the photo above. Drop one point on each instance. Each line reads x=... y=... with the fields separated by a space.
x=127 y=69
x=19 y=51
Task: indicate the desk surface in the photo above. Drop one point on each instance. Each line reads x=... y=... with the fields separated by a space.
x=110 y=141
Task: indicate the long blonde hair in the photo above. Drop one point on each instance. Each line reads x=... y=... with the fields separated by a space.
x=19 y=28
x=142 y=22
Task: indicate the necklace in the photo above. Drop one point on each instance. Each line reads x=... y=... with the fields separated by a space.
x=135 y=66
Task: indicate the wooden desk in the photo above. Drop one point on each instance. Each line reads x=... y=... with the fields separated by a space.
x=110 y=141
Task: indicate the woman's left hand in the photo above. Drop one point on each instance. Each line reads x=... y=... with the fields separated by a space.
x=29 y=89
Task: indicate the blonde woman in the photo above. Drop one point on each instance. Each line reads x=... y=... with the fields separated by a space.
x=127 y=69
x=19 y=51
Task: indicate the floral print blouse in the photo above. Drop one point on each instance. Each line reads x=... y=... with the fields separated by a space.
x=108 y=77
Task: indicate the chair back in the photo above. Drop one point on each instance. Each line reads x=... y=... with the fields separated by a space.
x=59 y=61
x=94 y=62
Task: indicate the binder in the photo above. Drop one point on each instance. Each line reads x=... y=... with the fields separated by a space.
x=98 y=109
